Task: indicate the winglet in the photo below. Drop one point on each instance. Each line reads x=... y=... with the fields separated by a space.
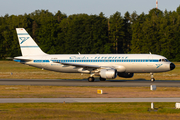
x=27 y=44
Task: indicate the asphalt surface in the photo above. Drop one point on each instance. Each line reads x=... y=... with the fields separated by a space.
x=108 y=83
x=85 y=100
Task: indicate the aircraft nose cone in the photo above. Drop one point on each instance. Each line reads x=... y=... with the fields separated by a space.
x=172 y=66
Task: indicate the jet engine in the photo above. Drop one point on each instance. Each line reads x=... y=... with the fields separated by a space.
x=108 y=73
x=125 y=75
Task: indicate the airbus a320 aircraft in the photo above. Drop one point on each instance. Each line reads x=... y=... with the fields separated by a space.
x=107 y=66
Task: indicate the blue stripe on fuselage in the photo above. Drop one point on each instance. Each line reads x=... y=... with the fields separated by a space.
x=41 y=61
x=74 y=61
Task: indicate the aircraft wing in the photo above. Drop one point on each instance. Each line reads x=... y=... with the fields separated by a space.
x=85 y=66
x=93 y=67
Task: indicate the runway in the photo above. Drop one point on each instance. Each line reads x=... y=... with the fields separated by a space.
x=85 y=100
x=108 y=83
x=70 y=82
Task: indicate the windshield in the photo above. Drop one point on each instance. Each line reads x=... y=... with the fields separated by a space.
x=163 y=60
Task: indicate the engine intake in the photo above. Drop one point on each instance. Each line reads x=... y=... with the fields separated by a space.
x=108 y=73
x=125 y=75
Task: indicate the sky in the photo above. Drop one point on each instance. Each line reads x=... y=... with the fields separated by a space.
x=90 y=7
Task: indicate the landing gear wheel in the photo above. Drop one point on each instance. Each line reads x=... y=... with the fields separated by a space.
x=152 y=79
x=91 y=79
x=102 y=79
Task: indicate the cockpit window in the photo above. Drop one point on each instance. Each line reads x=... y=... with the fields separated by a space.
x=163 y=60
x=167 y=60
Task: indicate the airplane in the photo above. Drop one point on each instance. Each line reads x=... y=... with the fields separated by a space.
x=106 y=66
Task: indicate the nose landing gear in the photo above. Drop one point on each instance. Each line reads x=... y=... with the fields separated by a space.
x=152 y=77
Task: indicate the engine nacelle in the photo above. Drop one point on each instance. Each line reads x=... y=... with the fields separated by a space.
x=108 y=73
x=125 y=75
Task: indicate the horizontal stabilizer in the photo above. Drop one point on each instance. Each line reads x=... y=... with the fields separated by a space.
x=21 y=59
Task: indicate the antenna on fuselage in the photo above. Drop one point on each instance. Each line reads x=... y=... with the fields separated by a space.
x=150 y=53
x=79 y=53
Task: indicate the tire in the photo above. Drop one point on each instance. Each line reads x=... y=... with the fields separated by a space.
x=152 y=79
x=91 y=79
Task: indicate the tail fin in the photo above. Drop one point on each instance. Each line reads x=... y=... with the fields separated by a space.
x=27 y=44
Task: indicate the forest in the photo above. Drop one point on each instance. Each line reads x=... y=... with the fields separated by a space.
x=157 y=32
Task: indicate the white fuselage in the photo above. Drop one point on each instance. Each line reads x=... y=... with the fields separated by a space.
x=129 y=63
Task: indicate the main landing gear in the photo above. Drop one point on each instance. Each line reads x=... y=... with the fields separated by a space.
x=90 y=79
x=152 y=77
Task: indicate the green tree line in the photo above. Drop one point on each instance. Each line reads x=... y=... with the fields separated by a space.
x=157 y=32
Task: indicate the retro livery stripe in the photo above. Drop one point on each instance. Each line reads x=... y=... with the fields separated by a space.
x=74 y=61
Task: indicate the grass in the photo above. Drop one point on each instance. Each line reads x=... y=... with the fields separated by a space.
x=20 y=91
x=78 y=111
x=13 y=70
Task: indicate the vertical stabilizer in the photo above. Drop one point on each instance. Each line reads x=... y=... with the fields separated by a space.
x=27 y=44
